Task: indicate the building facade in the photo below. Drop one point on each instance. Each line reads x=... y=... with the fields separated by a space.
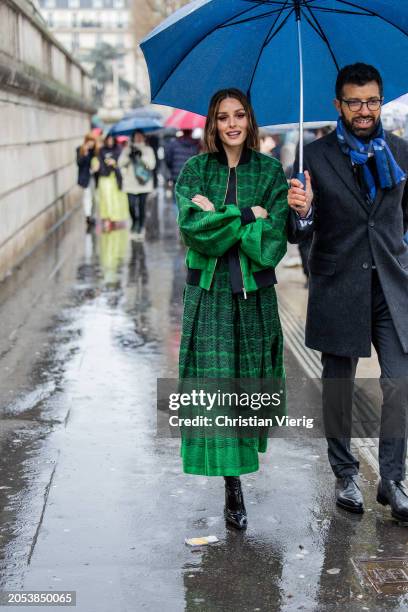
x=84 y=26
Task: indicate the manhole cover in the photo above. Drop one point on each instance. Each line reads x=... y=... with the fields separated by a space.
x=386 y=576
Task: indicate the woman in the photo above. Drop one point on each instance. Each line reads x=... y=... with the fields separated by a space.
x=137 y=162
x=85 y=154
x=113 y=208
x=232 y=216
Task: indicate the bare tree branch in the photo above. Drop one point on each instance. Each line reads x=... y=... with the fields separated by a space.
x=147 y=14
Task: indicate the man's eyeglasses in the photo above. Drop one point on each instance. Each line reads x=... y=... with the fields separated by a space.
x=356 y=105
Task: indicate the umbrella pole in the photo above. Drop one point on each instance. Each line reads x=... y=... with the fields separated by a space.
x=301 y=175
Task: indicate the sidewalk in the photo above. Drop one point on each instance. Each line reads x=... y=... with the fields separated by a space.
x=100 y=505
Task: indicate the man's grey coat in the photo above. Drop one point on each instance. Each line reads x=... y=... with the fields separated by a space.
x=350 y=236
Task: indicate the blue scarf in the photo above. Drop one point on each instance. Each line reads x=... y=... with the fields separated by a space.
x=389 y=172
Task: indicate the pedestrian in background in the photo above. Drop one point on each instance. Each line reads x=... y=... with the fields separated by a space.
x=267 y=143
x=136 y=163
x=232 y=216
x=84 y=154
x=178 y=151
x=113 y=204
x=154 y=141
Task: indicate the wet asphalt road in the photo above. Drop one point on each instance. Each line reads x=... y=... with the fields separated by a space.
x=91 y=500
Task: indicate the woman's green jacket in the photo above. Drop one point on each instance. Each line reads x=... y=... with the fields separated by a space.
x=260 y=181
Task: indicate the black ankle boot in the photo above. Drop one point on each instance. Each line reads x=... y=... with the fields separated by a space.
x=234 y=510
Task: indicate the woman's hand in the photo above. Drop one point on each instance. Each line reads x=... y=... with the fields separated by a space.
x=203 y=202
x=110 y=162
x=298 y=198
x=259 y=212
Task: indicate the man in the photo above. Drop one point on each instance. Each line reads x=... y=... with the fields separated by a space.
x=356 y=205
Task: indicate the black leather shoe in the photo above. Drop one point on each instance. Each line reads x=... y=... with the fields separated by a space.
x=393 y=493
x=348 y=494
x=234 y=510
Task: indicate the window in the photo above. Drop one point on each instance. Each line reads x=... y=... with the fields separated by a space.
x=50 y=3
x=74 y=3
x=118 y=3
x=97 y=4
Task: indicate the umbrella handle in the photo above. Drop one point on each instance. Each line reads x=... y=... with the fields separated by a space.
x=301 y=96
x=301 y=177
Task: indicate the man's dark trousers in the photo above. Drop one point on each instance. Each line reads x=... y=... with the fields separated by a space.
x=338 y=398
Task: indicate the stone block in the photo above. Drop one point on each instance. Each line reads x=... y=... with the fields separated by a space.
x=31 y=51
x=14 y=250
x=44 y=114
x=8 y=30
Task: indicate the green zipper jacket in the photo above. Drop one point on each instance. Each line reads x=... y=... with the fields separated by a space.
x=260 y=181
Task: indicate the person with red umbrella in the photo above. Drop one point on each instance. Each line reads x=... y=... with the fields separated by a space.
x=178 y=151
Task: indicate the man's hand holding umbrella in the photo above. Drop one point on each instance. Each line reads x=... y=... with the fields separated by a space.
x=299 y=199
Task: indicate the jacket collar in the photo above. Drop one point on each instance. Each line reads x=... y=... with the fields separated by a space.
x=245 y=158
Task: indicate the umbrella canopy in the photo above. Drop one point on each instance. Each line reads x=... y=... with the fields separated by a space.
x=127 y=126
x=184 y=120
x=97 y=122
x=254 y=45
x=309 y=125
x=122 y=139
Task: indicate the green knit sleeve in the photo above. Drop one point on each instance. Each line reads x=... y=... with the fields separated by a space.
x=265 y=241
x=210 y=233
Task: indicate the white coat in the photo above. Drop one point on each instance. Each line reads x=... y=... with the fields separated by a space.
x=130 y=182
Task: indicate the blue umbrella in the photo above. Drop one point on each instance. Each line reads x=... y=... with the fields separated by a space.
x=258 y=46
x=127 y=126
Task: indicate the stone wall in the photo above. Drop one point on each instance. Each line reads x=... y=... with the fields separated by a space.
x=44 y=113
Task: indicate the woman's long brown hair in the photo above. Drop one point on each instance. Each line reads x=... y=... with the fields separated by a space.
x=87 y=138
x=212 y=141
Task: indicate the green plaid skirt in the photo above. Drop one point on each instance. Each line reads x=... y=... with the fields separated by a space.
x=227 y=336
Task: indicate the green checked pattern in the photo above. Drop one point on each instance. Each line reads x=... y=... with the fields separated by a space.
x=262 y=244
x=226 y=336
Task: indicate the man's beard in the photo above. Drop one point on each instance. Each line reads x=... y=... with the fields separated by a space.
x=361 y=134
